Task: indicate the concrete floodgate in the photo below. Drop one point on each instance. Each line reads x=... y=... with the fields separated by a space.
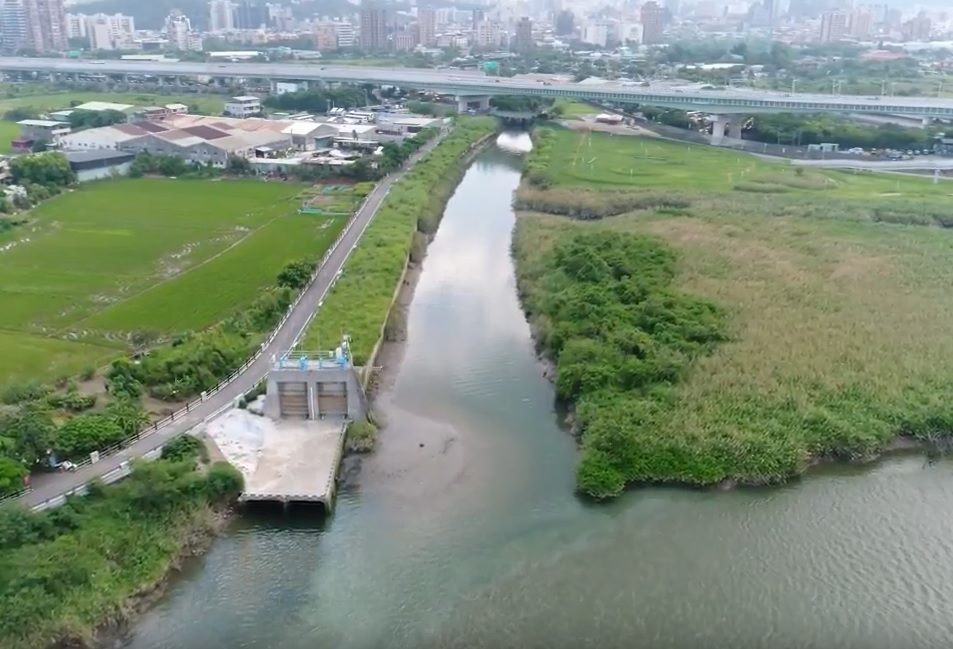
x=284 y=461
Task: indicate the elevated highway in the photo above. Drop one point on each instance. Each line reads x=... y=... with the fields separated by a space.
x=722 y=101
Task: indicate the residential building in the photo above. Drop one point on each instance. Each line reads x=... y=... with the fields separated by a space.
x=595 y=33
x=325 y=37
x=524 y=35
x=221 y=15
x=487 y=35
x=917 y=28
x=373 y=26
x=652 y=16
x=12 y=26
x=75 y=25
x=345 y=33
x=249 y=14
x=99 y=33
x=860 y=23
x=243 y=106
x=45 y=22
x=565 y=23
x=405 y=40
x=833 y=26
x=178 y=30
x=33 y=131
x=427 y=26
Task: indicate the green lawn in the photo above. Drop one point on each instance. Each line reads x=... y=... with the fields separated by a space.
x=834 y=290
x=576 y=109
x=27 y=356
x=149 y=254
x=601 y=160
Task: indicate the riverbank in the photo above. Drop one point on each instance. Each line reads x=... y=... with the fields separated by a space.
x=78 y=574
x=830 y=349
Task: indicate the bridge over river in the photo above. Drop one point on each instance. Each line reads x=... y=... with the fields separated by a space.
x=722 y=101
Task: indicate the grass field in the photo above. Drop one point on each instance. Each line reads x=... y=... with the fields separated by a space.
x=600 y=160
x=207 y=104
x=576 y=109
x=837 y=325
x=153 y=255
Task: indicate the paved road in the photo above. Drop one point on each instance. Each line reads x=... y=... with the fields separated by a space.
x=673 y=94
x=53 y=485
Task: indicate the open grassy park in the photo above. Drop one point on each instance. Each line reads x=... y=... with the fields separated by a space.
x=828 y=334
x=98 y=265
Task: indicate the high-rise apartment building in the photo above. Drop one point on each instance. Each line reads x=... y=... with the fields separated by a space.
x=325 y=37
x=99 y=33
x=833 y=26
x=178 y=29
x=75 y=25
x=565 y=23
x=524 y=35
x=373 y=26
x=345 y=32
x=12 y=26
x=250 y=14
x=45 y=22
x=860 y=23
x=917 y=28
x=487 y=35
x=221 y=15
x=427 y=26
x=652 y=16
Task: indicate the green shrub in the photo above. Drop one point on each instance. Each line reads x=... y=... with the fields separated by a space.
x=86 y=433
x=361 y=436
x=223 y=482
x=185 y=447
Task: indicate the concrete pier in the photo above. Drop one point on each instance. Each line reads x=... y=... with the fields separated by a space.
x=299 y=463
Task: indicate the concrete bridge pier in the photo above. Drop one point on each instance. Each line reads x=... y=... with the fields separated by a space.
x=465 y=103
x=726 y=124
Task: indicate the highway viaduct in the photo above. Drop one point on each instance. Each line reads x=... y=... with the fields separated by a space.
x=723 y=102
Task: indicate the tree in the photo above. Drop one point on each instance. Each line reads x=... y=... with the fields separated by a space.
x=47 y=169
x=11 y=475
x=296 y=275
x=29 y=433
x=86 y=433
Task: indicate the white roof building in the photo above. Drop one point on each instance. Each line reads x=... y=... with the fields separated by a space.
x=100 y=106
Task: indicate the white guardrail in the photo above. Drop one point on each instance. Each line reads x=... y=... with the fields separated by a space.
x=125 y=468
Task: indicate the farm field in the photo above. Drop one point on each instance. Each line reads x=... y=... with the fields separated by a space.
x=836 y=321
x=148 y=255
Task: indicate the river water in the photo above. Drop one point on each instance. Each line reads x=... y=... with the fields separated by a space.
x=462 y=530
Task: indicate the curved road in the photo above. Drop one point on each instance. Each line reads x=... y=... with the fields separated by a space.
x=50 y=486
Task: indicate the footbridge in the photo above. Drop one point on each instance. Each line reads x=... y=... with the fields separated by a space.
x=720 y=101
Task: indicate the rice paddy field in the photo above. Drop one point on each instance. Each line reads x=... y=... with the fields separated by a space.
x=112 y=259
x=835 y=293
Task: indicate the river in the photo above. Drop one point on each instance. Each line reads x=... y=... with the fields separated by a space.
x=462 y=530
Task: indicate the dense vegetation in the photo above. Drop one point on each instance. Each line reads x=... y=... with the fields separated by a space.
x=361 y=300
x=65 y=571
x=319 y=101
x=787 y=128
x=604 y=308
x=829 y=322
